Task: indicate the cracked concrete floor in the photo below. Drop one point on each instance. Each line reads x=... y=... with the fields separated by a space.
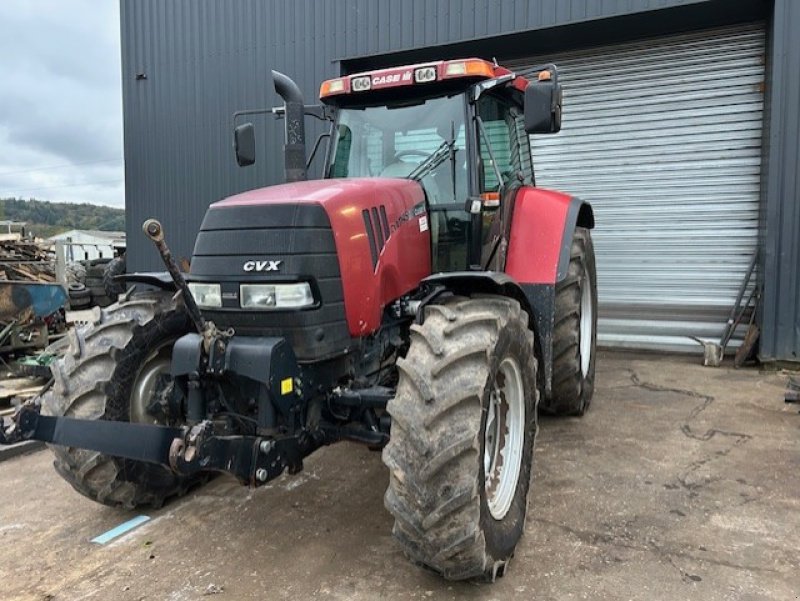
x=682 y=482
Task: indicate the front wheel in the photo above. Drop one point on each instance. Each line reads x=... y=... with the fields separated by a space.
x=113 y=370
x=463 y=430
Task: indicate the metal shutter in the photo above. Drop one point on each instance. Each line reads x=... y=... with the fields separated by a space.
x=663 y=137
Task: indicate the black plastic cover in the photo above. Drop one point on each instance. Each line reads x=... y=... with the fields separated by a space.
x=299 y=236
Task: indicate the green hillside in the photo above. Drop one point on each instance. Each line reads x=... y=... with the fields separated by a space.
x=46 y=218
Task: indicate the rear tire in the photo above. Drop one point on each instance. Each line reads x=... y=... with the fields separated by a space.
x=105 y=374
x=575 y=332
x=470 y=360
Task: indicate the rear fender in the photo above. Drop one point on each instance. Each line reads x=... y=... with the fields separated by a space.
x=494 y=282
x=538 y=256
x=542 y=228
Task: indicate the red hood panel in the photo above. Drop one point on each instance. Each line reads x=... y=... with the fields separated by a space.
x=323 y=191
x=380 y=226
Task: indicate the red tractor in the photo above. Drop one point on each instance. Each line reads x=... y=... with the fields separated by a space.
x=423 y=298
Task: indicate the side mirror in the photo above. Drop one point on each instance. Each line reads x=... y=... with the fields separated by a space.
x=244 y=143
x=543 y=107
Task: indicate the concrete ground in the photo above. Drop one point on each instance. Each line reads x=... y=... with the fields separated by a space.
x=682 y=482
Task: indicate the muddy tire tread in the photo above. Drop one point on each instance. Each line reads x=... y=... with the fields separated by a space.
x=89 y=382
x=435 y=444
x=572 y=392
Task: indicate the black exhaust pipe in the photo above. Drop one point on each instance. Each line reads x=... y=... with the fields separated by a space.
x=294 y=148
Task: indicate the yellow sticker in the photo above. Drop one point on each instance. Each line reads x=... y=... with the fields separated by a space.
x=287 y=386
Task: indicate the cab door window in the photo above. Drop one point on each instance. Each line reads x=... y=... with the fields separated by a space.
x=503 y=124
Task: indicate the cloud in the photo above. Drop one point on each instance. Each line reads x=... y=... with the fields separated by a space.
x=61 y=101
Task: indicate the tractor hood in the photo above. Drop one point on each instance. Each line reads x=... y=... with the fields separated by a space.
x=360 y=243
x=343 y=195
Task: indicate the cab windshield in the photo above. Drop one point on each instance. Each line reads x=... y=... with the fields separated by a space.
x=424 y=141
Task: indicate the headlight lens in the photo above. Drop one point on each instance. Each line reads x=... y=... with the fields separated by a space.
x=277 y=296
x=206 y=295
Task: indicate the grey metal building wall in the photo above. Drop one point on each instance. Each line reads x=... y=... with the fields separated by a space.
x=189 y=64
x=780 y=322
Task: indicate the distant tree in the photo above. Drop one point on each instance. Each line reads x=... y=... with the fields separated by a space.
x=47 y=218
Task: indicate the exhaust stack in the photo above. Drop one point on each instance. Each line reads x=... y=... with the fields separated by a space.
x=294 y=148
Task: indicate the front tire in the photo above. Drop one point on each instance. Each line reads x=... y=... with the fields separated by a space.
x=462 y=436
x=110 y=372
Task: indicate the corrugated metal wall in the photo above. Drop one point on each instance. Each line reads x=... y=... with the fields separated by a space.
x=205 y=59
x=663 y=137
x=780 y=332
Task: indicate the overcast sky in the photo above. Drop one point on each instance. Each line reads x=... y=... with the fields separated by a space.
x=61 y=101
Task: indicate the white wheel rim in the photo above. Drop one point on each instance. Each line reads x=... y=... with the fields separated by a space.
x=586 y=326
x=504 y=438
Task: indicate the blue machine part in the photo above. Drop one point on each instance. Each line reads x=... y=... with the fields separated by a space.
x=42 y=298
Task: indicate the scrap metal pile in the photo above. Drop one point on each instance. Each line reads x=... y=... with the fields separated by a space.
x=31 y=301
x=32 y=308
x=23 y=260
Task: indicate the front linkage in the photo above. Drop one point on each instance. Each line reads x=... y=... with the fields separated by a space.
x=252 y=460
x=208 y=354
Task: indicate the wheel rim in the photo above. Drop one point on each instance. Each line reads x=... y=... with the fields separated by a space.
x=586 y=326
x=146 y=384
x=504 y=438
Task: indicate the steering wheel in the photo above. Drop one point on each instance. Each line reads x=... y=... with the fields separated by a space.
x=408 y=153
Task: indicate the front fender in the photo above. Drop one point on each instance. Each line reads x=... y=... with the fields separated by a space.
x=530 y=299
x=157 y=279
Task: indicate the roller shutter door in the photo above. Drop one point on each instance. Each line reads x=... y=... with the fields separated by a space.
x=663 y=137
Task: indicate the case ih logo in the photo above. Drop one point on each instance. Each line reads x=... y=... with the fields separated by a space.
x=262 y=265
x=391 y=78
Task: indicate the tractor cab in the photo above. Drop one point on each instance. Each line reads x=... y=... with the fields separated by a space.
x=459 y=128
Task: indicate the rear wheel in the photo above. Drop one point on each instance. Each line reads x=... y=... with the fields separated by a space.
x=575 y=333
x=463 y=429
x=111 y=371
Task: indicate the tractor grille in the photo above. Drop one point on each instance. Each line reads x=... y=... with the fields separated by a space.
x=300 y=237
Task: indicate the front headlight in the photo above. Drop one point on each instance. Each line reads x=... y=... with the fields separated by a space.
x=206 y=295
x=275 y=296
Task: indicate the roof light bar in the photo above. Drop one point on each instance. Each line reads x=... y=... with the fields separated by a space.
x=410 y=75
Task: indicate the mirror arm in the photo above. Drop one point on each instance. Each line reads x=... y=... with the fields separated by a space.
x=238 y=114
x=318 y=111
